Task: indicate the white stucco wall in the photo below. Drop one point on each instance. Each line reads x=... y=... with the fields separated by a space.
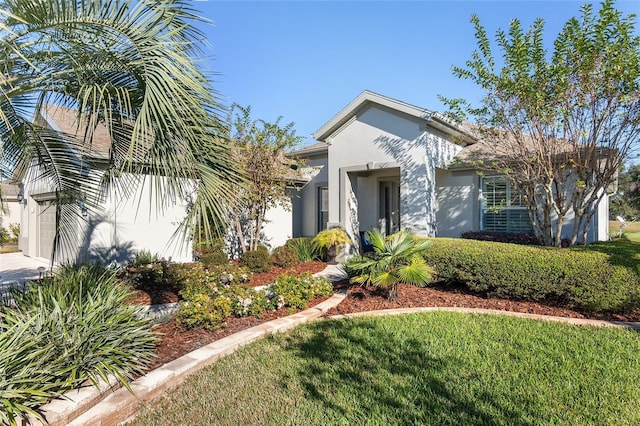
x=278 y=225
x=380 y=138
x=459 y=209
x=119 y=227
x=305 y=200
x=458 y=203
x=137 y=223
x=12 y=213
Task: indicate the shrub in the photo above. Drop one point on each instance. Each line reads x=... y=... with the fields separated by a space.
x=525 y=238
x=305 y=248
x=203 y=310
x=284 y=256
x=257 y=260
x=66 y=330
x=246 y=300
x=144 y=257
x=577 y=277
x=297 y=291
x=212 y=253
x=193 y=278
x=190 y=278
x=214 y=258
x=395 y=260
x=4 y=235
x=14 y=228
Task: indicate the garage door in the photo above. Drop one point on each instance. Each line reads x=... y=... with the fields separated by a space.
x=46 y=228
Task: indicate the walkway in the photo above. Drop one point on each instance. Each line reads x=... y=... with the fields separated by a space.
x=16 y=268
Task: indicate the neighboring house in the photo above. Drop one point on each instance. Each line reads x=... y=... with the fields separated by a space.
x=10 y=208
x=122 y=226
x=382 y=163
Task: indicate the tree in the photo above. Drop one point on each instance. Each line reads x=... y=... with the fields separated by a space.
x=131 y=66
x=261 y=148
x=626 y=201
x=557 y=125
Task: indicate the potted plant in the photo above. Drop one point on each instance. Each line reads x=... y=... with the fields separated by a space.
x=330 y=240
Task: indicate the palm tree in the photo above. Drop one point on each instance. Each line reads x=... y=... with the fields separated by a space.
x=395 y=260
x=130 y=66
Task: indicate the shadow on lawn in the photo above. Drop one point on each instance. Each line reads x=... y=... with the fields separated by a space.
x=621 y=252
x=360 y=381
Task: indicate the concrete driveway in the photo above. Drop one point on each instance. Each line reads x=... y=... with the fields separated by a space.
x=15 y=268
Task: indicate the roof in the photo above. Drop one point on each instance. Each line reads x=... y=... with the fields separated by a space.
x=367 y=97
x=68 y=121
x=316 y=148
x=9 y=190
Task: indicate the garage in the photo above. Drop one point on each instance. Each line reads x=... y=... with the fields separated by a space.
x=46 y=227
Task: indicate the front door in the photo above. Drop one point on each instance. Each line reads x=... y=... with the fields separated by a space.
x=389 y=207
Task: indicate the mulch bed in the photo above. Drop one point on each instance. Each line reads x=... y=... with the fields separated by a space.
x=362 y=299
x=176 y=341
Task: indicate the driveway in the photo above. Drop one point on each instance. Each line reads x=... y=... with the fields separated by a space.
x=15 y=268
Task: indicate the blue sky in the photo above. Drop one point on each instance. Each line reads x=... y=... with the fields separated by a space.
x=306 y=60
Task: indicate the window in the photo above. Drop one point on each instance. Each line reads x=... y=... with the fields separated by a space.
x=503 y=209
x=323 y=208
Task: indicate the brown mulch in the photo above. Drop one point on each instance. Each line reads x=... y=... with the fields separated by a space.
x=176 y=341
x=362 y=299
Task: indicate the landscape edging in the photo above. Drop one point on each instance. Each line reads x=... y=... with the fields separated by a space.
x=568 y=320
x=116 y=405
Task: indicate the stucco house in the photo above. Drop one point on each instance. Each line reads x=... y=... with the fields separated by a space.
x=114 y=232
x=382 y=163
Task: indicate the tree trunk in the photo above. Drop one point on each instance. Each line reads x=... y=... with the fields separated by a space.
x=393 y=293
x=243 y=246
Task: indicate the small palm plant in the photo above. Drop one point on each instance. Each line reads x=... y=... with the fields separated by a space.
x=395 y=260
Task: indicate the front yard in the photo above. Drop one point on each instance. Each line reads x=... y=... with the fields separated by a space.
x=432 y=368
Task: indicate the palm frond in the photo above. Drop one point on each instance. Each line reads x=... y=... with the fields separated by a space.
x=130 y=66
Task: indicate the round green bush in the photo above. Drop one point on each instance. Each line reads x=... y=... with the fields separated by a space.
x=284 y=256
x=258 y=260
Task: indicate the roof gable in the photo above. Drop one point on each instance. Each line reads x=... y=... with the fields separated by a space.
x=367 y=98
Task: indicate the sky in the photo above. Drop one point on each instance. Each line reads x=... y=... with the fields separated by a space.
x=306 y=60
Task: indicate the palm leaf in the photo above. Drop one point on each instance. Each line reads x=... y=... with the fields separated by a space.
x=130 y=66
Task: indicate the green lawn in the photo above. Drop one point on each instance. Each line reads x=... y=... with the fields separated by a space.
x=631 y=231
x=431 y=368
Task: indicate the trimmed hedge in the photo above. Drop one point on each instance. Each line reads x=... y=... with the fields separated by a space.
x=578 y=277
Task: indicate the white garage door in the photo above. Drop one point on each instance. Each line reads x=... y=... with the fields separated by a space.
x=46 y=228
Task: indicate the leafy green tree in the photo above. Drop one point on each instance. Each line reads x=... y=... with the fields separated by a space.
x=261 y=148
x=626 y=201
x=132 y=67
x=558 y=124
x=395 y=260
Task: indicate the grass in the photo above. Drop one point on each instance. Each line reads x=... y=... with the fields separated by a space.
x=631 y=231
x=621 y=251
x=9 y=248
x=430 y=368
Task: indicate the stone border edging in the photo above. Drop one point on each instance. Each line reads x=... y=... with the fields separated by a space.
x=120 y=405
x=573 y=321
